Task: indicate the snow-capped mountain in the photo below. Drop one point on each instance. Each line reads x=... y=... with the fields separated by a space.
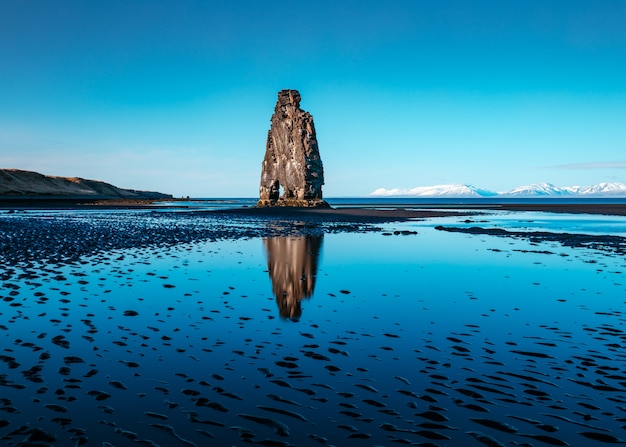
x=536 y=190
x=605 y=189
x=435 y=191
x=611 y=189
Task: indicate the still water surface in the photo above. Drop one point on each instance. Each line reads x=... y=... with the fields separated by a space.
x=335 y=339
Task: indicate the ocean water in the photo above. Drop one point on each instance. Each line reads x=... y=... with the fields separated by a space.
x=396 y=202
x=355 y=338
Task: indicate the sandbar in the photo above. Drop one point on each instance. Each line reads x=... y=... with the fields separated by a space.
x=376 y=212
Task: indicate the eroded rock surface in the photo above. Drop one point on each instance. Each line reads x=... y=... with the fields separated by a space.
x=292 y=160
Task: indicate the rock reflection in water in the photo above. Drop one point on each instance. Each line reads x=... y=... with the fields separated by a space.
x=292 y=265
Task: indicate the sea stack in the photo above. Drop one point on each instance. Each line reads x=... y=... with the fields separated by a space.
x=292 y=159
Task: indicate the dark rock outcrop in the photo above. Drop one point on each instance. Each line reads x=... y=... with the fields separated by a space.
x=292 y=159
x=19 y=185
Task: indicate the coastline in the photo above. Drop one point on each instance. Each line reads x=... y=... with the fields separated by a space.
x=340 y=214
x=78 y=203
x=613 y=209
x=376 y=211
x=166 y=293
x=149 y=224
x=439 y=210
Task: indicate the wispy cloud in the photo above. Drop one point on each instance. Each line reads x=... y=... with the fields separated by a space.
x=597 y=165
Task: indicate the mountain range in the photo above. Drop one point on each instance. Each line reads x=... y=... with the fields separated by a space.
x=607 y=190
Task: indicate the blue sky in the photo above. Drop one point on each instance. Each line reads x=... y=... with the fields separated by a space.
x=176 y=96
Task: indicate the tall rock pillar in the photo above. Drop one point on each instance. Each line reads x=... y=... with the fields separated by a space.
x=292 y=160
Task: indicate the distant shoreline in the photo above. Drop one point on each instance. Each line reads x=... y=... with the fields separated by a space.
x=612 y=209
x=41 y=202
x=434 y=210
x=393 y=211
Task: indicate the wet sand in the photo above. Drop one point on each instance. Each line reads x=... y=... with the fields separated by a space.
x=371 y=215
x=607 y=243
x=573 y=208
x=160 y=329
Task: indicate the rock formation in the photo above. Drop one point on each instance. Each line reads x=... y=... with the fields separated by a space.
x=292 y=160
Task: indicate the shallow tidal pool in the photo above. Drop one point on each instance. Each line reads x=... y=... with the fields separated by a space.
x=366 y=338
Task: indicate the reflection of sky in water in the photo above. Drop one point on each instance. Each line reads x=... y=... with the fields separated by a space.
x=440 y=310
x=443 y=271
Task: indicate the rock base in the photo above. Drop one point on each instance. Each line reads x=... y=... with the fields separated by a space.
x=306 y=203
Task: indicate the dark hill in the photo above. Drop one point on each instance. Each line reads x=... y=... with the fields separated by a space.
x=18 y=184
